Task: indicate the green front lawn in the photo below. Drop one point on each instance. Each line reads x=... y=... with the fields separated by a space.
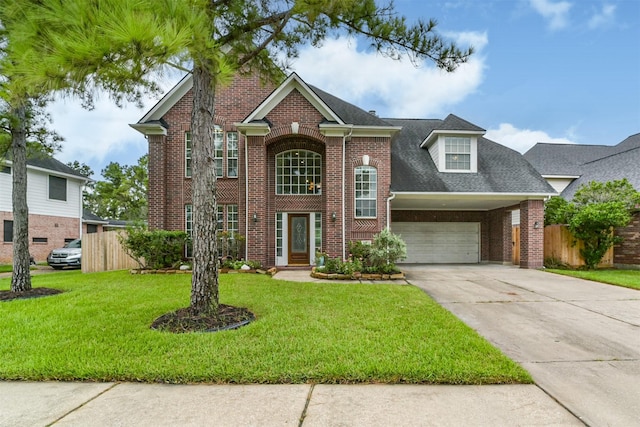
x=6 y=268
x=98 y=329
x=626 y=278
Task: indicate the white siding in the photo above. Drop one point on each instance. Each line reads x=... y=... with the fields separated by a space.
x=435 y=155
x=38 y=195
x=440 y=242
x=5 y=191
x=559 y=184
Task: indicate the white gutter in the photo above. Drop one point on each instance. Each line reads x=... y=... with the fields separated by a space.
x=389 y=199
x=246 y=197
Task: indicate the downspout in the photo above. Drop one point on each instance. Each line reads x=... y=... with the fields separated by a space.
x=246 y=196
x=389 y=199
x=344 y=161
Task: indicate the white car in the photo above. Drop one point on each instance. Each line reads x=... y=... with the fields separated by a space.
x=68 y=256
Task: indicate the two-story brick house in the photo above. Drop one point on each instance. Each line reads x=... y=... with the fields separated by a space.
x=300 y=170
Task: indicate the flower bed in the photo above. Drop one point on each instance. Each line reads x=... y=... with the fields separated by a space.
x=356 y=276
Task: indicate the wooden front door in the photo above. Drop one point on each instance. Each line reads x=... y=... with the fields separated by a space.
x=299 y=239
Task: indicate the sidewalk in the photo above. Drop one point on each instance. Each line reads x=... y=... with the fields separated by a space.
x=31 y=404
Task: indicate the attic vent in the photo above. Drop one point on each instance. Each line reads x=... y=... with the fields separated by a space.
x=373 y=113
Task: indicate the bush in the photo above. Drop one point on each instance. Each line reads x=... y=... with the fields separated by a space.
x=154 y=249
x=387 y=249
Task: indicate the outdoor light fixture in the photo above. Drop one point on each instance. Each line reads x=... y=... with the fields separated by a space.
x=333 y=216
x=536 y=224
x=255 y=217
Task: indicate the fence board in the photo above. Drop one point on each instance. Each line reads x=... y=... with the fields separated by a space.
x=558 y=245
x=515 y=239
x=103 y=252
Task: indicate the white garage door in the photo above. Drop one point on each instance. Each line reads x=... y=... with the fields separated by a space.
x=440 y=242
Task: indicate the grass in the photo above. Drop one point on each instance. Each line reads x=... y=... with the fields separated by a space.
x=98 y=330
x=6 y=268
x=626 y=278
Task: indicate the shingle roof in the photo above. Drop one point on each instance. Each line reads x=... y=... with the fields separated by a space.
x=563 y=159
x=46 y=162
x=500 y=169
x=590 y=162
x=349 y=113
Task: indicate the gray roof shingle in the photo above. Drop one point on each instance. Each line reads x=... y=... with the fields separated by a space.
x=500 y=169
x=349 y=113
x=589 y=162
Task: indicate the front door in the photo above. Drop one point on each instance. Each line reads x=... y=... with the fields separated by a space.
x=299 y=239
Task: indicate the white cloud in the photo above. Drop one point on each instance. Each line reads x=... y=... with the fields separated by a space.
x=393 y=88
x=604 y=18
x=522 y=140
x=556 y=13
x=101 y=135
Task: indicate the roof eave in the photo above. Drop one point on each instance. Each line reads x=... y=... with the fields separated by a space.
x=150 y=128
x=436 y=132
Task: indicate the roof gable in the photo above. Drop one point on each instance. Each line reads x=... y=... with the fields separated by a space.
x=293 y=82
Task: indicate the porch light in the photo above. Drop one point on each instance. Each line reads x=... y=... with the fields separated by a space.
x=255 y=217
x=536 y=224
x=333 y=216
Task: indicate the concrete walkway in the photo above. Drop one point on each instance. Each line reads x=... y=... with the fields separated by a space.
x=580 y=340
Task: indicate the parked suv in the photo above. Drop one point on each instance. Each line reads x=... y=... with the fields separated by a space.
x=68 y=256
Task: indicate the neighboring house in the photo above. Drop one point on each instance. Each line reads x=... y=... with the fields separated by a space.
x=568 y=166
x=301 y=171
x=54 y=197
x=92 y=223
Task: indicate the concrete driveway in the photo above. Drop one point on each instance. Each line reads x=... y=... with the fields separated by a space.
x=580 y=340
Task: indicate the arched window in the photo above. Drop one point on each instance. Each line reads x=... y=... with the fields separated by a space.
x=366 y=186
x=298 y=172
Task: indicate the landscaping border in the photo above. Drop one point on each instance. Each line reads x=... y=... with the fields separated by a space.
x=356 y=276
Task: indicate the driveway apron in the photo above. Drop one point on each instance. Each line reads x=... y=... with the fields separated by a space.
x=580 y=340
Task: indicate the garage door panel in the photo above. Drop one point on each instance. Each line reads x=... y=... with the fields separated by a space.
x=440 y=242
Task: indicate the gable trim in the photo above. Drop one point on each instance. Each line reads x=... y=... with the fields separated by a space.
x=277 y=96
x=168 y=101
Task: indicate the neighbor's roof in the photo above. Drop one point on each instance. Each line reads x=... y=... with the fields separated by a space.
x=589 y=162
x=500 y=169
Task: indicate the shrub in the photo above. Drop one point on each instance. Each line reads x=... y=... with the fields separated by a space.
x=154 y=249
x=387 y=249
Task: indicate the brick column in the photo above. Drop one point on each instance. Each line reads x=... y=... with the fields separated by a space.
x=257 y=200
x=507 y=238
x=531 y=238
x=156 y=197
x=333 y=194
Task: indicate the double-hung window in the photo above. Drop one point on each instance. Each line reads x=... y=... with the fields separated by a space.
x=366 y=191
x=457 y=153
x=224 y=146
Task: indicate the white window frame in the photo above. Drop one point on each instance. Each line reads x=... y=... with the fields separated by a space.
x=308 y=184
x=361 y=196
x=232 y=154
x=187 y=154
x=454 y=147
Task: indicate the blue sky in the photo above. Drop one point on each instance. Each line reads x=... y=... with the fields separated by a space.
x=544 y=71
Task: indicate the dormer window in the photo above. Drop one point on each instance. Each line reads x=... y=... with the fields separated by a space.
x=457 y=153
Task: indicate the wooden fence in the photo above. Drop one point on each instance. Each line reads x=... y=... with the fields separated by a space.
x=103 y=252
x=515 y=238
x=558 y=244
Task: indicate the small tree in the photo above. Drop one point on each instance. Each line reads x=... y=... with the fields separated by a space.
x=556 y=211
x=597 y=208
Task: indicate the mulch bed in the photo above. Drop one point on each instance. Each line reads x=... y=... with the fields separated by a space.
x=183 y=320
x=32 y=293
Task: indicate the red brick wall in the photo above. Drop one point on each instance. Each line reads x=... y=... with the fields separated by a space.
x=627 y=253
x=54 y=229
x=531 y=238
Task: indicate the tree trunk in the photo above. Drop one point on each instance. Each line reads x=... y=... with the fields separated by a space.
x=204 y=283
x=21 y=278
